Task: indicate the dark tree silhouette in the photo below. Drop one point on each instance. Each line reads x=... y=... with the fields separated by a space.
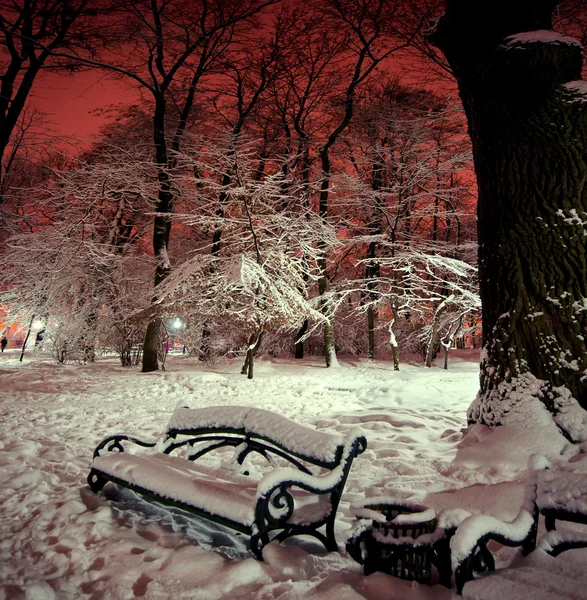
x=527 y=114
x=31 y=32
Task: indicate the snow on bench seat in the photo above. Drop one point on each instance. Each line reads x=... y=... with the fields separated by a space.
x=298 y=439
x=562 y=491
x=214 y=490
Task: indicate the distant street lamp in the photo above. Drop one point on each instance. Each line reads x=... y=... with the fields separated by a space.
x=177 y=324
x=37 y=325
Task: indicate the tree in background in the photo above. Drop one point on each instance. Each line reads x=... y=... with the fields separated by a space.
x=259 y=283
x=370 y=29
x=301 y=101
x=237 y=99
x=33 y=34
x=227 y=112
x=81 y=268
x=526 y=106
x=168 y=50
x=408 y=156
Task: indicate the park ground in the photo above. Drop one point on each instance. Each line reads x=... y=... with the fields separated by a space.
x=60 y=541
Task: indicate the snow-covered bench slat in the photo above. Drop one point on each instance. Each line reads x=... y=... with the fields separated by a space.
x=317 y=447
x=561 y=495
x=286 y=501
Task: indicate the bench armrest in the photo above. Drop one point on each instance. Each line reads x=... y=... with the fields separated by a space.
x=555 y=542
x=113 y=443
x=469 y=545
x=275 y=505
x=288 y=476
x=285 y=477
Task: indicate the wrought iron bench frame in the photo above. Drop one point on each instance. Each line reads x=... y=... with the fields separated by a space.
x=480 y=559
x=275 y=505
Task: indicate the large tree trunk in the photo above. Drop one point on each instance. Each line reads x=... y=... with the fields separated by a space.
x=161 y=231
x=529 y=135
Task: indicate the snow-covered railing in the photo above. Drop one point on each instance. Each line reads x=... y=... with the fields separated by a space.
x=298 y=495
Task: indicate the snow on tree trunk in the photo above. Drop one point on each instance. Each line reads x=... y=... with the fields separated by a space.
x=433 y=342
x=329 y=348
x=394 y=347
x=448 y=340
x=371 y=332
x=528 y=126
x=255 y=341
x=327 y=328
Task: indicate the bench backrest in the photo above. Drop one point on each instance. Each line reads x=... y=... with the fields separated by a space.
x=315 y=447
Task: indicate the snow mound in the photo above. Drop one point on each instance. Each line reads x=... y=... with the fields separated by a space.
x=577 y=89
x=540 y=36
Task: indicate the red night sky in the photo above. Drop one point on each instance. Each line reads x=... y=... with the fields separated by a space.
x=69 y=100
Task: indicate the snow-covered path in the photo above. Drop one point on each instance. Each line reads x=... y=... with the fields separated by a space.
x=58 y=540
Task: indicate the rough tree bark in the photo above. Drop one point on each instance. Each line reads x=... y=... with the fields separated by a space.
x=161 y=229
x=527 y=117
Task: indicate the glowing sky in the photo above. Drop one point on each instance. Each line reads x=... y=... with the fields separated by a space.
x=69 y=99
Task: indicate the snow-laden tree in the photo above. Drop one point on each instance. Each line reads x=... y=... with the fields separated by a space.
x=429 y=289
x=260 y=281
x=526 y=105
x=81 y=270
x=406 y=190
x=169 y=48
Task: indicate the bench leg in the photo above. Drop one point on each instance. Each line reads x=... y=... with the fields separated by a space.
x=550 y=522
x=96 y=482
x=330 y=543
x=257 y=543
x=529 y=544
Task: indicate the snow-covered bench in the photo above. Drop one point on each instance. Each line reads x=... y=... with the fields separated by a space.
x=555 y=494
x=300 y=498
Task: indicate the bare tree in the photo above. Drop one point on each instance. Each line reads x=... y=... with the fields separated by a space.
x=369 y=30
x=308 y=81
x=173 y=46
x=80 y=270
x=32 y=33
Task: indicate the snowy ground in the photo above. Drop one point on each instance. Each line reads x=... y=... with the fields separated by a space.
x=59 y=540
